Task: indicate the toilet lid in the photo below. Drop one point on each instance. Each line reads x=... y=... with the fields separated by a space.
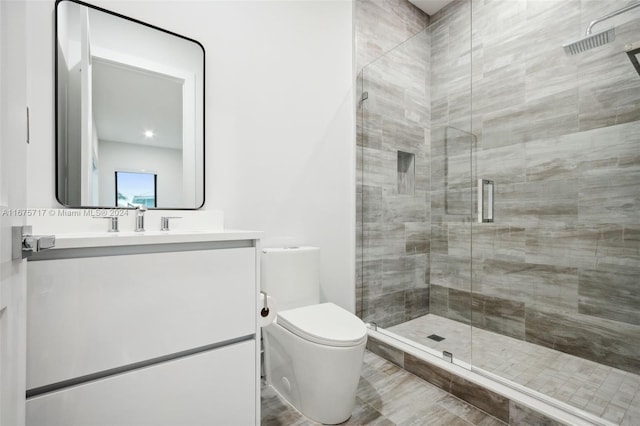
x=326 y=324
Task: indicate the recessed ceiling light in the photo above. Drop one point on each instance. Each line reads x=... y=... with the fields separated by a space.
x=148 y=134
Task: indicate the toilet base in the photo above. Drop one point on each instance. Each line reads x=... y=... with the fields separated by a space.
x=319 y=381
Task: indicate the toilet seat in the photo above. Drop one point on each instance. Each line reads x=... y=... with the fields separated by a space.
x=325 y=324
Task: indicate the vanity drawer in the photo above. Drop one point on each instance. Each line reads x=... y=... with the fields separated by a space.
x=93 y=314
x=211 y=388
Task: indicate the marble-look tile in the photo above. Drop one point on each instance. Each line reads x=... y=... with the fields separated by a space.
x=611 y=293
x=534 y=284
x=386 y=310
x=381 y=240
x=563 y=145
x=439 y=241
x=371 y=206
x=496 y=241
x=382 y=25
x=395 y=117
x=379 y=169
x=603 y=201
x=607 y=342
x=404 y=273
x=370 y=130
x=405 y=208
x=618 y=245
x=563 y=245
x=403 y=136
x=387 y=352
x=488 y=401
x=451 y=271
x=460 y=305
x=570 y=379
x=615 y=99
x=417 y=239
x=370 y=273
x=439 y=300
x=275 y=411
x=456 y=339
x=459 y=243
x=499 y=315
x=503 y=83
x=416 y=303
x=578 y=154
x=520 y=415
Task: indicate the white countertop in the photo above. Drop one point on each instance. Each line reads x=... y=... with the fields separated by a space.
x=111 y=239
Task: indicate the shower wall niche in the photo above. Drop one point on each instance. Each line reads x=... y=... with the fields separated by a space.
x=406 y=173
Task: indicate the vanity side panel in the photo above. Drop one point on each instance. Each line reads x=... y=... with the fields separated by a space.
x=93 y=314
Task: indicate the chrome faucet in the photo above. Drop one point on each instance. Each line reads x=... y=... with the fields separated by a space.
x=140 y=218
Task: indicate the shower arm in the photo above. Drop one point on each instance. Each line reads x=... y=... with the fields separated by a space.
x=610 y=15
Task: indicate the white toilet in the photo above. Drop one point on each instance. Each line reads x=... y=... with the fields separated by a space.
x=313 y=351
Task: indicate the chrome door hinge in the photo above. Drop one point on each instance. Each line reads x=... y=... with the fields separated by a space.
x=24 y=244
x=28 y=127
x=364 y=97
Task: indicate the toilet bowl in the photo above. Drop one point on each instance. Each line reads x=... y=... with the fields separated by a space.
x=314 y=352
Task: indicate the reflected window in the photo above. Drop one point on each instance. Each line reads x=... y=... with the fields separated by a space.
x=136 y=189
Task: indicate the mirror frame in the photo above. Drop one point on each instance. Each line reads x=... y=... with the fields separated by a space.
x=56 y=115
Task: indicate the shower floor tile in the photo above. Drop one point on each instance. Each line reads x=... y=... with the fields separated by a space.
x=602 y=390
x=387 y=395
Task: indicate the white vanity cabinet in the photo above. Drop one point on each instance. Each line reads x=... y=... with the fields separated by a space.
x=145 y=334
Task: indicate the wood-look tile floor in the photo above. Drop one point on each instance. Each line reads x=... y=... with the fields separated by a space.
x=387 y=395
x=599 y=389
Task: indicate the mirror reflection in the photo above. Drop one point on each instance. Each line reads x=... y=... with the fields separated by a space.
x=129 y=102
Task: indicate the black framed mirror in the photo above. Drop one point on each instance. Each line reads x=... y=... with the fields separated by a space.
x=129 y=97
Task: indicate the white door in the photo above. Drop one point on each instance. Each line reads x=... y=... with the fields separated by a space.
x=13 y=198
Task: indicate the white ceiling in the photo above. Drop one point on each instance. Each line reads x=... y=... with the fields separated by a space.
x=430 y=6
x=128 y=101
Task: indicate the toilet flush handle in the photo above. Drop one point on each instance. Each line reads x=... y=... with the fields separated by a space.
x=264 y=312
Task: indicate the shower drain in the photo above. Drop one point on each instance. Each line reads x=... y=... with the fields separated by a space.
x=435 y=337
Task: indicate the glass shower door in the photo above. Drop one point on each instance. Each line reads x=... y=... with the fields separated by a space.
x=393 y=186
x=555 y=305
x=414 y=194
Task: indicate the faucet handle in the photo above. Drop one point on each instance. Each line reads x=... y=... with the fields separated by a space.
x=113 y=222
x=164 y=222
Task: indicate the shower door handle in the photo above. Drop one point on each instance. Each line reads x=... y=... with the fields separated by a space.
x=485 y=201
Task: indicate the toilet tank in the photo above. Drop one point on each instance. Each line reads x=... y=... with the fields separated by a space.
x=291 y=276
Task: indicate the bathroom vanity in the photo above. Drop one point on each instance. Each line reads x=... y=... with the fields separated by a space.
x=147 y=329
x=154 y=327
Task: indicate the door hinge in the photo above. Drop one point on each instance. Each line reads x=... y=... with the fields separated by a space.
x=24 y=244
x=28 y=127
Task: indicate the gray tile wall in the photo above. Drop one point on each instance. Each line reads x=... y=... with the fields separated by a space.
x=560 y=136
x=393 y=192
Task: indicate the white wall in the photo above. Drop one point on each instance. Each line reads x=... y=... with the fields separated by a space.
x=129 y=157
x=280 y=151
x=13 y=172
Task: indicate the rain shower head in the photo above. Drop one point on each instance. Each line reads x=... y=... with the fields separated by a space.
x=590 y=41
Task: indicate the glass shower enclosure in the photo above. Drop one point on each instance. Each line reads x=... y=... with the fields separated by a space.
x=499 y=199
